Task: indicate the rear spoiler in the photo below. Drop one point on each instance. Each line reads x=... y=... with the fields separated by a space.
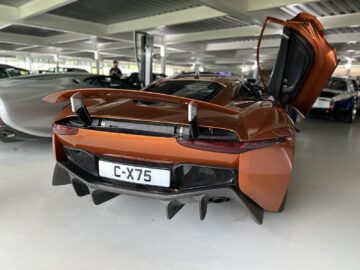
x=88 y=93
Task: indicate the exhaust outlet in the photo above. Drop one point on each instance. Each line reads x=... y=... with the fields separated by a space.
x=8 y=134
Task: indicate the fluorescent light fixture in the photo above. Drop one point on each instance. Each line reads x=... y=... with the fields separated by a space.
x=348 y=65
x=351 y=42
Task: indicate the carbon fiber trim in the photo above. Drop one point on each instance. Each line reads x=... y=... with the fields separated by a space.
x=88 y=184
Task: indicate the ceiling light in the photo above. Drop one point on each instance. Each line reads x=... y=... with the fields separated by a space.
x=348 y=65
x=355 y=25
x=351 y=50
x=351 y=42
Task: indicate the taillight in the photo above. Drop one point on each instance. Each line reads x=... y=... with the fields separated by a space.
x=64 y=130
x=1 y=122
x=231 y=147
x=332 y=104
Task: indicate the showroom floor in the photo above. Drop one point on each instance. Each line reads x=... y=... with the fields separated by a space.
x=43 y=227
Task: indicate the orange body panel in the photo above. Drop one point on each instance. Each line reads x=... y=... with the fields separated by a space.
x=263 y=174
x=145 y=148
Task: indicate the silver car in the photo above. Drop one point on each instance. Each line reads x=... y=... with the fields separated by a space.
x=23 y=114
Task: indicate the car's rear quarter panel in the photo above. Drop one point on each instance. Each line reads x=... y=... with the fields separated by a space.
x=264 y=174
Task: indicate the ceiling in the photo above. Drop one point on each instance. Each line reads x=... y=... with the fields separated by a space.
x=215 y=33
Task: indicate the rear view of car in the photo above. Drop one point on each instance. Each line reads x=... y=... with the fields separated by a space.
x=194 y=136
x=339 y=100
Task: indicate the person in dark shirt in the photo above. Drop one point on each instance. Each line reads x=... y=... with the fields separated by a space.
x=115 y=72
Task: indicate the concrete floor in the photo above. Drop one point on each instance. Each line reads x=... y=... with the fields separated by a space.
x=43 y=227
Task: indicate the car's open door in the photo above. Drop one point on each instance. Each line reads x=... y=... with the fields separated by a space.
x=304 y=63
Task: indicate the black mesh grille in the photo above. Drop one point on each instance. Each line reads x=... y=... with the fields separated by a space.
x=190 y=176
x=82 y=159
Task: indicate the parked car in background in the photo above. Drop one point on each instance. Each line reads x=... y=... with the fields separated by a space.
x=133 y=80
x=61 y=70
x=339 y=100
x=23 y=114
x=7 y=71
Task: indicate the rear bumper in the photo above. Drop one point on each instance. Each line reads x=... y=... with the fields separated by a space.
x=321 y=111
x=101 y=191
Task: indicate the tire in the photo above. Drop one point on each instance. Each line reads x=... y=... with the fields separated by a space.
x=350 y=115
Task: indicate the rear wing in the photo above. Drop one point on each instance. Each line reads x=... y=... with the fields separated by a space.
x=107 y=93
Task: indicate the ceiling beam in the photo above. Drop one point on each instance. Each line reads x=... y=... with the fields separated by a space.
x=4 y=24
x=343 y=20
x=37 y=7
x=244 y=6
x=176 y=17
x=20 y=39
x=241 y=45
x=330 y=22
x=66 y=24
x=244 y=31
x=255 y=5
x=274 y=43
x=68 y=37
x=114 y=46
x=8 y=13
x=343 y=38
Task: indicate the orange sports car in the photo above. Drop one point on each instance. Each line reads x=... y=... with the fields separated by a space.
x=194 y=136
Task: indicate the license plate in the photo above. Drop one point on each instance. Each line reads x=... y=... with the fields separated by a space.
x=322 y=104
x=134 y=174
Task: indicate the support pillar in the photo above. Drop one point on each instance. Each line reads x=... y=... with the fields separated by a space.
x=163 y=58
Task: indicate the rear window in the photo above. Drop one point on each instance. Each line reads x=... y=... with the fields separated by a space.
x=337 y=84
x=200 y=90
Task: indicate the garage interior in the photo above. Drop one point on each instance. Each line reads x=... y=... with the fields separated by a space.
x=42 y=227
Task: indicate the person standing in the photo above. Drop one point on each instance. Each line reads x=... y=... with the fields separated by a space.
x=115 y=72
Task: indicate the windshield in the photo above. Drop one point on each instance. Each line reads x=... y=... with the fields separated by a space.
x=195 y=89
x=14 y=72
x=337 y=84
